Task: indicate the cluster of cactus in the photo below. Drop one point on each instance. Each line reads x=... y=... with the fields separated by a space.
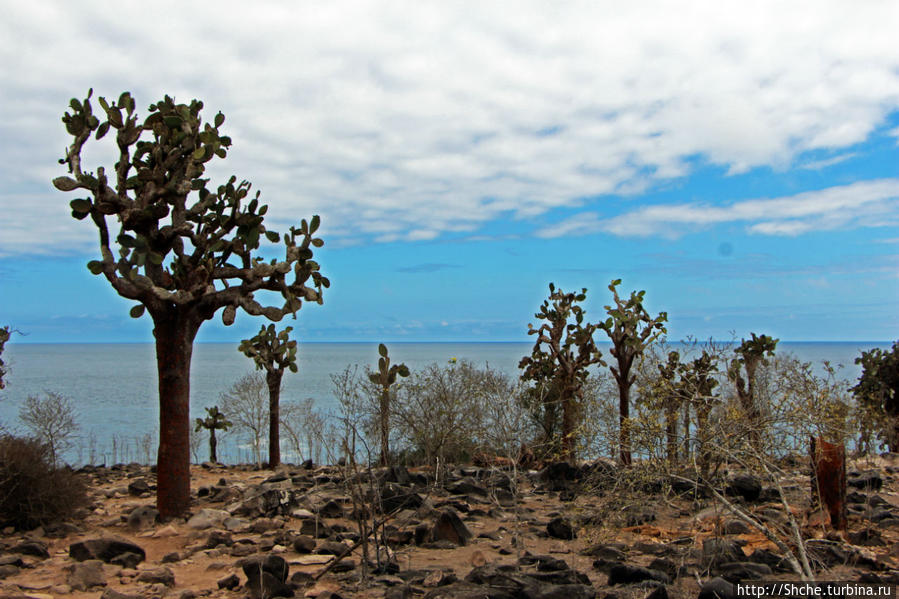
x=184 y=249
x=878 y=390
x=563 y=351
x=750 y=354
x=384 y=379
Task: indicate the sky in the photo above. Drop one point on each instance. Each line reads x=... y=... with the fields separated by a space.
x=739 y=161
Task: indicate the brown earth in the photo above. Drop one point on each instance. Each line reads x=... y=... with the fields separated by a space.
x=648 y=524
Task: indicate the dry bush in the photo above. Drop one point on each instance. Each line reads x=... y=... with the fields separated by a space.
x=33 y=491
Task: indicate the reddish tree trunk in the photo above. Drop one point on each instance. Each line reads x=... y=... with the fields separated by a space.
x=624 y=413
x=385 y=427
x=568 y=425
x=829 y=480
x=174 y=347
x=273 y=379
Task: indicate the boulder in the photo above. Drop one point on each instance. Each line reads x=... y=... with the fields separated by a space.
x=266 y=576
x=746 y=486
x=303 y=544
x=104 y=549
x=32 y=548
x=560 y=528
x=627 y=574
x=718 y=588
x=449 y=527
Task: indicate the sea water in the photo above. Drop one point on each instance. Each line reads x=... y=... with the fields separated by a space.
x=113 y=387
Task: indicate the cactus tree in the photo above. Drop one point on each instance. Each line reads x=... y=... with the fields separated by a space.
x=214 y=421
x=274 y=352
x=750 y=354
x=563 y=351
x=384 y=378
x=631 y=330
x=183 y=250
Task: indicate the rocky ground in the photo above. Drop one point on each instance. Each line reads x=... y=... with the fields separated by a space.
x=561 y=532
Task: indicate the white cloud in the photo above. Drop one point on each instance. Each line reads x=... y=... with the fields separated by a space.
x=866 y=203
x=403 y=121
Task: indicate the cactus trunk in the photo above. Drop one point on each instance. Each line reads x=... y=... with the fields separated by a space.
x=174 y=347
x=273 y=379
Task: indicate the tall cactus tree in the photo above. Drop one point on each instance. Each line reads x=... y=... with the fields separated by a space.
x=631 y=330
x=274 y=352
x=214 y=421
x=563 y=351
x=384 y=378
x=751 y=354
x=183 y=250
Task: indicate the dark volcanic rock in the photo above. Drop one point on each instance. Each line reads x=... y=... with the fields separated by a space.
x=138 y=487
x=104 y=549
x=229 y=582
x=559 y=476
x=161 y=575
x=867 y=481
x=395 y=497
x=627 y=574
x=720 y=551
x=266 y=576
x=718 y=588
x=467 y=486
x=740 y=571
x=303 y=544
x=32 y=548
x=560 y=528
x=606 y=551
x=127 y=560
x=218 y=537
x=449 y=527
x=744 y=485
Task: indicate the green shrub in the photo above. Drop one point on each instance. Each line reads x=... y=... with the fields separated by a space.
x=33 y=491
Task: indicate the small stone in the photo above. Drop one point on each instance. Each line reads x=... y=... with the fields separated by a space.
x=162 y=575
x=303 y=544
x=229 y=582
x=138 y=487
x=142 y=517
x=86 y=575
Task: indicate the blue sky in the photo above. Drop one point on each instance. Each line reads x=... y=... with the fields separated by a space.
x=738 y=161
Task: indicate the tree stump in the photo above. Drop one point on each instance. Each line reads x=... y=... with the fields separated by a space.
x=829 y=480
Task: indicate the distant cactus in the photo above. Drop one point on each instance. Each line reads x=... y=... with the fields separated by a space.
x=631 y=330
x=750 y=354
x=183 y=249
x=562 y=353
x=384 y=378
x=274 y=352
x=214 y=421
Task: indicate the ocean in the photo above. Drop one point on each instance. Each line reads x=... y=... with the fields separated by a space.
x=113 y=386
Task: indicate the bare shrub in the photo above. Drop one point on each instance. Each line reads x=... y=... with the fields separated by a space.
x=51 y=419
x=245 y=403
x=33 y=491
x=440 y=410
